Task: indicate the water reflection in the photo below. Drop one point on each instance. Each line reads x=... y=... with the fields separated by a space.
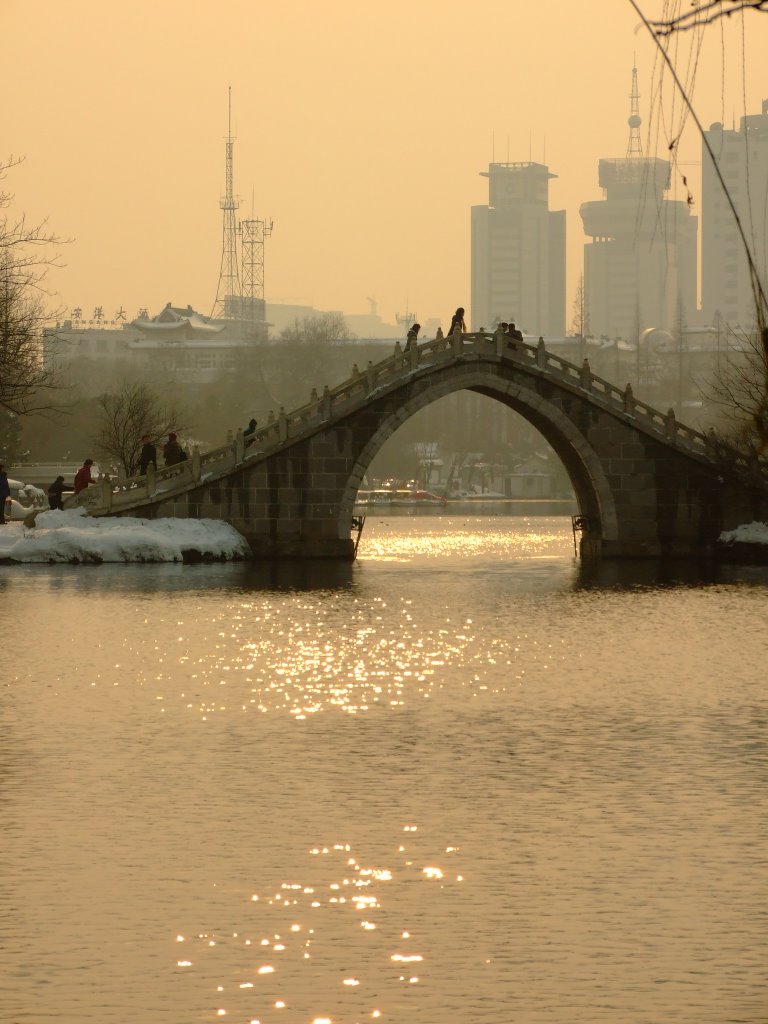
x=553 y=792
x=318 y=935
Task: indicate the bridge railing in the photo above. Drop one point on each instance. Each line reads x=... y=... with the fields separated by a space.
x=108 y=494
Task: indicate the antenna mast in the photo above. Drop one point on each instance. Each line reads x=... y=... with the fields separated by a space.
x=229 y=292
x=635 y=145
x=253 y=232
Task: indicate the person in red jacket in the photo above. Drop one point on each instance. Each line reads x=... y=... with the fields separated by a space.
x=83 y=476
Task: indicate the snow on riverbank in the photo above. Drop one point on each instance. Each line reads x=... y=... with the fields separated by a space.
x=747 y=533
x=74 y=536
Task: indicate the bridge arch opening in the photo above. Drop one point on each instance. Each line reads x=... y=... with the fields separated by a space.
x=580 y=463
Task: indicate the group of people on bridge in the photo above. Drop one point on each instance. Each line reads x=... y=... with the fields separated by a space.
x=509 y=330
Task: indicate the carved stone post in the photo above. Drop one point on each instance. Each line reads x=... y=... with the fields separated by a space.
x=151 y=479
x=629 y=400
x=282 y=425
x=106 y=492
x=541 y=354
x=439 y=336
x=239 y=445
x=456 y=340
x=326 y=403
x=413 y=356
x=355 y=371
x=585 y=375
x=671 y=424
x=499 y=341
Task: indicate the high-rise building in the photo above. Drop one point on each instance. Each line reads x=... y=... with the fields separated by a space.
x=742 y=156
x=640 y=265
x=518 y=252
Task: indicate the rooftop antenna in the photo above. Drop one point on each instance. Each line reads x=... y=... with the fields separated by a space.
x=228 y=292
x=406 y=319
x=253 y=233
x=635 y=145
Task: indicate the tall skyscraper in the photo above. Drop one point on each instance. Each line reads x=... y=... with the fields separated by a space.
x=640 y=266
x=518 y=252
x=742 y=157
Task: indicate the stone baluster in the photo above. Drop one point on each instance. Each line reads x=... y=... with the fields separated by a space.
x=197 y=471
x=671 y=424
x=413 y=356
x=629 y=400
x=355 y=371
x=230 y=437
x=326 y=403
x=151 y=479
x=585 y=375
x=282 y=425
x=106 y=492
x=439 y=337
x=499 y=334
x=456 y=340
x=541 y=354
x=239 y=445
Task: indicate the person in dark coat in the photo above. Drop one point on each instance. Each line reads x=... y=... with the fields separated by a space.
x=56 y=493
x=5 y=493
x=412 y=339
x=148 y=454
x=249 y=432
x=514 y=333
x=457 y=320
x=83 y=476
x=173 y=453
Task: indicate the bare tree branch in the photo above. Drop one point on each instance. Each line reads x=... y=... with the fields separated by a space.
x=704 y=14
x=126 y=415
x=26 y=382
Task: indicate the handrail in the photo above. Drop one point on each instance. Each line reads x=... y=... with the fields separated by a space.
x=110 y=494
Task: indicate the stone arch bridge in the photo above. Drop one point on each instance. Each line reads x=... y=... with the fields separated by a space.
x=646 y=485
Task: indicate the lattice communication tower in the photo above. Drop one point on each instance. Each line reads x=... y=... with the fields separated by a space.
x=229 y=291
x=253 y=232
x=635 y=145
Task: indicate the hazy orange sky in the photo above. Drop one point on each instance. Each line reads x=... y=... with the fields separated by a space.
x=360 y=129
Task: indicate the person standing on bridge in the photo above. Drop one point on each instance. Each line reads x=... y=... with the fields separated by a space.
x=457 y=321
x=148 y=455
x=249 y=434
x=5 y=493
x=83 y=476
x=56 y=493
x=513 y=334
x=412 y=339
x=173 y=453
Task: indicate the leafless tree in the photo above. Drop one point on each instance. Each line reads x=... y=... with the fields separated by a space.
x=125 y=416
x=312 y=353
x=26 y=384
x=740 y=389
x=703 y=12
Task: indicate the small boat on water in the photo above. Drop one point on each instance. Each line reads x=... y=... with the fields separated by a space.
x=398 y=498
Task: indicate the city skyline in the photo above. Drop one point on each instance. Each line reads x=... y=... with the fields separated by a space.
x=363 y=137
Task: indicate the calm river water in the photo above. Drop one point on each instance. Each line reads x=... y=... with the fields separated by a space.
x=459 y=781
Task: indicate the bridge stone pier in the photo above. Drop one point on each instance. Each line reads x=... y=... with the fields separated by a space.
x=646 y=485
